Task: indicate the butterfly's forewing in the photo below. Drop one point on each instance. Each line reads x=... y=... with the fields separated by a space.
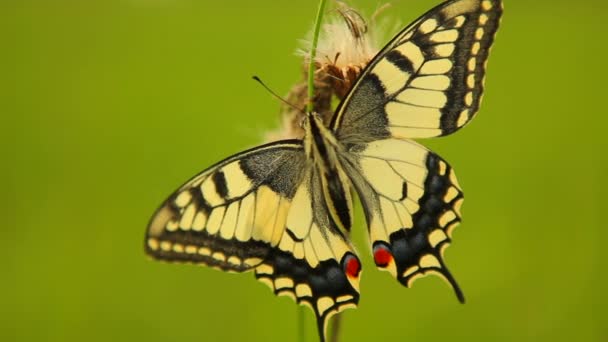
x=428 y=81
x=412 y=203
x=262 y=210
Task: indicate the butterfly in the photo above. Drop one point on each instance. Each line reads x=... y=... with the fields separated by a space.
x=284 y=210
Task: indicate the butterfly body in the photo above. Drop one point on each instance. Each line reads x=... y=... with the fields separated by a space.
x=284 y=209
x=326 y=154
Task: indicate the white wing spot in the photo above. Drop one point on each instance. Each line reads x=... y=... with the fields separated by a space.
x=468 y=99
x=428 y=26
x=324 y=303
x=183 y=198
x=475 y=48
x=204 y=251
x=453 y=175
x=215 y=220
x=265 y=269
x=409 y=133
x=459 y=21
x=433 y=82
x=165 y=246
x=426 y=98
x=344 y=298
x=436 y=237
x=458 y=205
x=283 y=283
x=153 y=244
x=219 y=256
x=268 y=282
x=178 y=248
x=199 y=221
x=436 y=67
x=298 y=251
x=471 y=81
x=172 y=225
x=303 y=290
x=450 y=194
x=472 y=64
x=450 y=229
x=442 y=168
x=429 y=261
x=483 y=19
x=444 y=50
x=229 y=221
x=400 y=114
x=234 y=260
x=447 y=36
x=463 y=118
x=252 y=261
x=187 y=217
x=446 y=218
x=410 y=271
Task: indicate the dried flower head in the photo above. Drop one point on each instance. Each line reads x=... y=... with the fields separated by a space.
x=346 y=45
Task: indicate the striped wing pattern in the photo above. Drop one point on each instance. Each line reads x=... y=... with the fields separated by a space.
x=325 y=272
x=412 y=204
x=261 y=210
x=230 y=215
x=428 y=81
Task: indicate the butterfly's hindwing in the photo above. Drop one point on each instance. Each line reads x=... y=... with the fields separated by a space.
x=411 y=200
x=428 y=81
x=314 y=262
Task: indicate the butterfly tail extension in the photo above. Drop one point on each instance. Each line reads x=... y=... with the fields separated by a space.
x=313 y=263
x=326 y=288
x=420 y=250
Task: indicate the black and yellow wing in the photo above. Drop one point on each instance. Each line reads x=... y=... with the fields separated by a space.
x=262 y=210
x=428 y=81
x=411 y=200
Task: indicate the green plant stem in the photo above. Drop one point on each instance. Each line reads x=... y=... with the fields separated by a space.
x=334 y=335
x=313 y=53
x=309 y=108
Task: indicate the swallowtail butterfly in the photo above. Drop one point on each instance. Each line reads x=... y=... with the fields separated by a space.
x=284 y=210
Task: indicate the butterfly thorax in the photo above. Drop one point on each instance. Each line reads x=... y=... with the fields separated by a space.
x=323 y=151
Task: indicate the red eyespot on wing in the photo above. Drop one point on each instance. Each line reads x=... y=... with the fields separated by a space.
x=351 y=266
x=382 y=255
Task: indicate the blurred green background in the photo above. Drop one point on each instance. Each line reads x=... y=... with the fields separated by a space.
x=108 y=105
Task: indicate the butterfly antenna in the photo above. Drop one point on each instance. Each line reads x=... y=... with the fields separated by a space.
x=277 y=96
